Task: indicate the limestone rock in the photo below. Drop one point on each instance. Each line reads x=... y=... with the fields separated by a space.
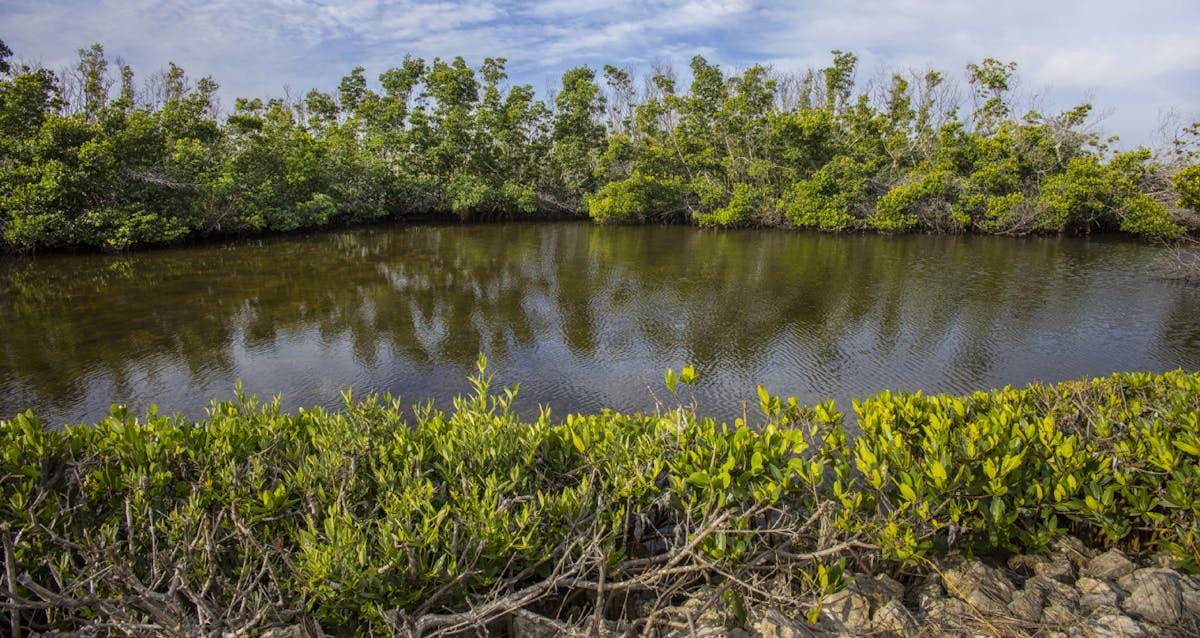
x=1088 y=585
x=928 y=591
x=1026 y=563
x=777 y=625
x=705 y=607
x=1190 y=586
x=527 y=627
x=1096 y=594
x=879 y=590
x=1154 y=595
x=893 y=616
x=1073 y=550
x=847 y=610
x=1027 y=604
x=1162 y=559
x=985 y=588
x=1059 y=614
x=950 y=612
x=1110 y=625
x=705 y=631
x=1061 y=570
x=1055 y=593
x=292 y=631
x=1113 y=564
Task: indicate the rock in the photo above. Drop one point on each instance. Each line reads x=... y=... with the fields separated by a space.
x=847 y=610
x=703 y=631
x=879 y=590
x=1059 y=614
x=985 y=588
x=1061 y=570
x=1026 y=563
x=928 y=591
x=1162 y=559
x=530 y=625
x=1190 y=587
x=291 y=631
x=1073 y=550
x=893 y=616
x=1027 y=604
x=705 y=607
x=1089 y=603
x=1110 y=625
x=1112 y=564
x=1055 y=593
x=1096 y=594
x=1022 y=566
x=1154 y=595
x=295 y=631
x=776 y=625
x=1088 y=585
x=949 y=612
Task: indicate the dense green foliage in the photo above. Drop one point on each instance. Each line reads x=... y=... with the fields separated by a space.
x=92 y=159
x=367 y=521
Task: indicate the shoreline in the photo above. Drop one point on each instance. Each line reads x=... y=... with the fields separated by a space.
x=364 y=522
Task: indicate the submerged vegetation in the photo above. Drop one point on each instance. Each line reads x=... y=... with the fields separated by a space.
x=368 y=522
x=90 y=158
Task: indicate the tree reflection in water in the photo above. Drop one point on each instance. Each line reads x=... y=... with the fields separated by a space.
x=583 y=316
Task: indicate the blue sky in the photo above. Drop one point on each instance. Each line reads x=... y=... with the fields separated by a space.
x=1135 y=61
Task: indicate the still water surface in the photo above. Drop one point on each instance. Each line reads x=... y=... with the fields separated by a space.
x=583 y=316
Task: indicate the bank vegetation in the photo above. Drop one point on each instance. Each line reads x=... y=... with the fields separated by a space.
x=377 y=520
x=89 y=157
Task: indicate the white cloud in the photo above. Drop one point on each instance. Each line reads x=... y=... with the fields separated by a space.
x=1106 y=66
x=1137 y=58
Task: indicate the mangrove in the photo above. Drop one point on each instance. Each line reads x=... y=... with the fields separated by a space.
x=91 y=158
x=376 y=520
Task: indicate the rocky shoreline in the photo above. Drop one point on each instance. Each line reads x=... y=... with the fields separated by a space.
x=1073 y=592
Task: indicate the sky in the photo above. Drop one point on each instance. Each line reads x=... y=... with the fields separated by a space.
x=1137 y=62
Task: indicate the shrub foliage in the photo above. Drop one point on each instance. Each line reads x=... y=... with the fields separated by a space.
x=93 y=159
x=368 y=521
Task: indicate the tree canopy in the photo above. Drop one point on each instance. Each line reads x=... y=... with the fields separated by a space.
x=88 y=157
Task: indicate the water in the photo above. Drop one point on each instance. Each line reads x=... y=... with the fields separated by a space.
x=583 y=316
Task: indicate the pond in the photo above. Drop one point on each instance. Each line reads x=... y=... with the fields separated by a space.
x=584 y=317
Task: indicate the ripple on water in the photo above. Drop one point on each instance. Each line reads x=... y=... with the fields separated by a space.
x=584 y=317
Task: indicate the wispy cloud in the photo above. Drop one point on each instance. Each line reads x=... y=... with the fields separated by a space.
x=1136 y=59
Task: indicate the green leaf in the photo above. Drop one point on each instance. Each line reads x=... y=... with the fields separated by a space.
x=937 y=472
x=670 y=378
x=997 y=509
x=699 y=478
x=724 y=480
x=1187 y=447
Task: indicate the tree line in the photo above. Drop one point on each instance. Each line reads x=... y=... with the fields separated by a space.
x=91 y=158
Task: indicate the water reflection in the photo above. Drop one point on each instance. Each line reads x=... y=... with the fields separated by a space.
x=583 y=316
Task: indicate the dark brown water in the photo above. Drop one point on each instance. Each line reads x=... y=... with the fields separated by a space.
x=583 y=316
